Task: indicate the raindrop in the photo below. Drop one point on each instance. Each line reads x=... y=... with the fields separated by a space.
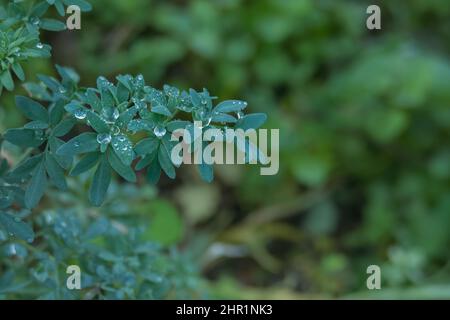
x=103 y=138
x=110 y=115
x=115 y=130
x=35 y=21
x=39 y=45
x=121 y=138
x=76 y=144
x=116 y=114
x=239 y=114
x=80 y=114
x=62 y=90
x=12 y=249
x=159 y=131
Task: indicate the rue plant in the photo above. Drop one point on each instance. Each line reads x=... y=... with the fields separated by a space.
x=113 y=129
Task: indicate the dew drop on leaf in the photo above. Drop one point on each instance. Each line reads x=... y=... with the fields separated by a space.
x=115 y=130
x=103 y=138
x=159 y=131
x=80 y=114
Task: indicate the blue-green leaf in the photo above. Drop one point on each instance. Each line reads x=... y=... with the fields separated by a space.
x=16 y=227
x=251 y=121
x=85 y=142
x=37 y=186
x=230 y=106
x=100 y=183
x=123 y=148
x=124 y=171
x=32 y=109
x=85 y=164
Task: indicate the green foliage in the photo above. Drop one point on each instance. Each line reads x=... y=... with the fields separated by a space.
x=21 y=22
x=119 y=263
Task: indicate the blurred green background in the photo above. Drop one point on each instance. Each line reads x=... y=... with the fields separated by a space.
x=364 y=119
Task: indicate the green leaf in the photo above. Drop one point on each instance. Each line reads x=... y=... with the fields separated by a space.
x=64 y=127
x=64 y=161
x=154 y=172
x=85 y=164
x=56 y=112
x=123 y=148
x=25 y=168
x=251 y=121
x=55 y=172
x=100 y=183
x=223 y=117
x=195 y=98
x=6 y=80
x=52 y=25
x=39 y=125
x=147 y=145
x=124 y=171
x=141 y=125
x=160 y=109
x=24 y=137
x=85 y=142
x=32 y=109
x=230 y=106
x=17 y=68
x=16 y=227
x=93 y=100
x=126 y=116
x=37 y=186
x=165 y=161
x=97 y=123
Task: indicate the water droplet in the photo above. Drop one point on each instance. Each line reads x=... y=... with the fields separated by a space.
x=35 y=21
x=103 y=138
x=239 y=114
x=121 y=138
x=39 y=134
x=110 y=115
x=12 y=249
x=62 y=90
x=159 y=131
x=115 y=130
x=76 y=144
x=39 y=45
x=116 y=114
x=80 y=114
